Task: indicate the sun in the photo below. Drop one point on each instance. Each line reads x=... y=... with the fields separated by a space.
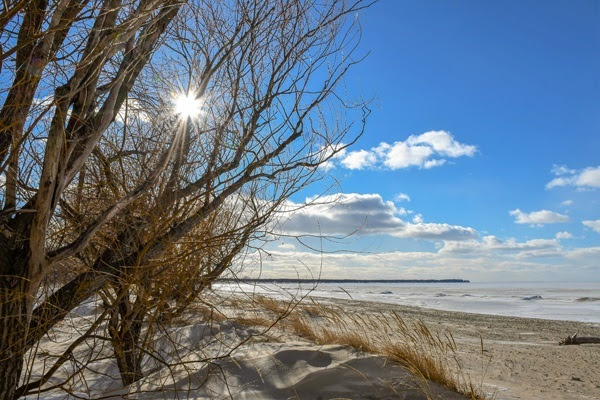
x=187 y=105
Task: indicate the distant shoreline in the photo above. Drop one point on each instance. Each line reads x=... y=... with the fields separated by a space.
x=283 y=280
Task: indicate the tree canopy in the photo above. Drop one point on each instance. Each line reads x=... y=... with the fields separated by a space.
x=145 y=143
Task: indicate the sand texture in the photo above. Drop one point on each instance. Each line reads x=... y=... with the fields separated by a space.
x=224 y=360
x=295 y=370
x=521 y=358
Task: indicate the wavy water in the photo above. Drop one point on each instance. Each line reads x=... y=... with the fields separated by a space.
x=578 y=301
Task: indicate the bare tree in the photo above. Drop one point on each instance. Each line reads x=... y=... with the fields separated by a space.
x=148 y=139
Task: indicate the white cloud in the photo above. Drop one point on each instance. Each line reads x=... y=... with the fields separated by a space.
x=492 y=244
x=359 y=159
x=559 y=170
x=401 y=155
x=435 y=231
x=331 y=153
x=563 y=235
x=490 y=259
x=366 y=214
x=593 y=253
x=428 y=150
x=595 y=225
x=326 y=166
x=567 y=203
x=558 y=182
x=420 y=150
x=402 y=197
x=45 y=105
x=133 y=109
x=434 y=163
x=538 y=217
x=43 y=102
x=587 y=178
x=443 y=143
x=404 y=211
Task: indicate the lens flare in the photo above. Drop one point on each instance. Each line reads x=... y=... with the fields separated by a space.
x=187 y=105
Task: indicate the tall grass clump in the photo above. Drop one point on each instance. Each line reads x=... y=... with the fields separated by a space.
x=429 y=355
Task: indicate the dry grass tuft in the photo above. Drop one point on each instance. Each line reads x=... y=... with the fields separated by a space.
x=298 y=325
x=324 y=335
x=315 y=309
x=254 y=321
x=270 y=304
x=429 y=355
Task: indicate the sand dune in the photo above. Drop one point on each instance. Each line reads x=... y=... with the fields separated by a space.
x=295 y=371
x=204 y=366
x=521 y=361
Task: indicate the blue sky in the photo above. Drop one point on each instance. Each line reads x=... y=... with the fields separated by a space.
x=502 y=100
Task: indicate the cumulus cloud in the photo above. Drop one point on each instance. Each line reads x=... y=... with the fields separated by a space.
x=434 y=163
x=132 y=109
x=435 y=231
x=43 y=102
x=331 y=153
x=559 y=170
x=43 y=108
x=402 y=155
x=366 y=214
x=342 y=214
x=488 y=258
x=538 y=217
x=587 y=178
x=402 y=197
x=359 y=159
x=404 y=211
x=563 y=235
x=592 y=253
x=593 y=224
x=492 y=244
x=428 y=150
x=443 y=143
x=492 y=259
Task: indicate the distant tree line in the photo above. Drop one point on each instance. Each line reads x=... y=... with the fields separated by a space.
x=317 y=281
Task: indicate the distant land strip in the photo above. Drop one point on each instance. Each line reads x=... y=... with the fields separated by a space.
x=282 y=280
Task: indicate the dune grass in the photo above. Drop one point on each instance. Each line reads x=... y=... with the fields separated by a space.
x=429 y=355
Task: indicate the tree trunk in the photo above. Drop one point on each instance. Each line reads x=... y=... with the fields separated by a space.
x=15 y=303
x=125 y=327
x=576 y=340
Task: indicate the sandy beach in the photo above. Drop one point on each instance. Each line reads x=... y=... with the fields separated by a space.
x=521 y=359
x=245 y=351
